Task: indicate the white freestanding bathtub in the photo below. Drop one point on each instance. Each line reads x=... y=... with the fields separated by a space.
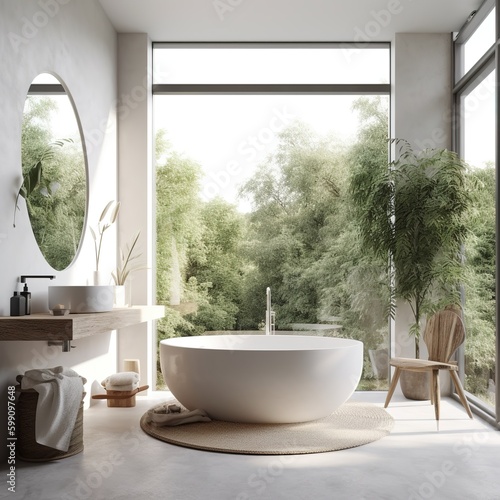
x=262 y=378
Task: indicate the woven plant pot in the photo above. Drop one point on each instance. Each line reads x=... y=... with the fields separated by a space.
x=27 y=447
x=415 y=385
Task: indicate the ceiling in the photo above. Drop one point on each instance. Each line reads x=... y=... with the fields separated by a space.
x=286 y=20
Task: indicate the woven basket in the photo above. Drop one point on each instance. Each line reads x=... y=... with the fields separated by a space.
x=27 y=447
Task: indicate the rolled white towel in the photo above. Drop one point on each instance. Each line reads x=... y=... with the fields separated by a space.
x=124 y=387
x=121 y=381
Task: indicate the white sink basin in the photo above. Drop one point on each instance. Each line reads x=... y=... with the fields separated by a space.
x=82 y=299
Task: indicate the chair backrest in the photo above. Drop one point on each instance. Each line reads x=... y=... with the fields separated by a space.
x=443 y=334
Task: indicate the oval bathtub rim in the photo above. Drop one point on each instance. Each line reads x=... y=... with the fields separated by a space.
x=349 y=343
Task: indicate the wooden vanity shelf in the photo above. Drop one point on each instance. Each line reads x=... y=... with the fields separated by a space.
x=74 y=326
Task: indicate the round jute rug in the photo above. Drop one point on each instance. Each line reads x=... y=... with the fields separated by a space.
x=353 y=424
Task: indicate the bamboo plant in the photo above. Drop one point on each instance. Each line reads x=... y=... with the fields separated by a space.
x=411 y=216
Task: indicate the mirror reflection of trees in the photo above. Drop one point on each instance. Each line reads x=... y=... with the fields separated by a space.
x=56 y=203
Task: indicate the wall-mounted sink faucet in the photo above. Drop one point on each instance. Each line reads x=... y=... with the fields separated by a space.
x=26 y=293
x=64 y=344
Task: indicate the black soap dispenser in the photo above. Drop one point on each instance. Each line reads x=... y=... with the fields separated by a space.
x=17 y=305
x=27 y=296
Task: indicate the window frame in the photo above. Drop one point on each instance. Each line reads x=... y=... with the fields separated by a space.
x=489 y=61
x=257 y=88
x=383 y=89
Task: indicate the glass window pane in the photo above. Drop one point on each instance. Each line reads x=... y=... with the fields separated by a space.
x=251 y=193
x=482 y=39
x=478 y=149
x=229 y=135
x=478 y=110
x=271 y=65
x=291 y=154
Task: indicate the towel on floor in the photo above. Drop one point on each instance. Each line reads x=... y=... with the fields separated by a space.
x=122 y=381
x=170 y=414
x=60 y=392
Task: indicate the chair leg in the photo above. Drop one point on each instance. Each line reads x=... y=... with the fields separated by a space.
x=431 y=388
x=461 y=393
x=436 y=390
x=394 y=383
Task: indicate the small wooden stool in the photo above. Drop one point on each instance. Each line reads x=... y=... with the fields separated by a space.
x=120 y=399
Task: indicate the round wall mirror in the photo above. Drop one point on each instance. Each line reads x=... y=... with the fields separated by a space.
x=54 y=183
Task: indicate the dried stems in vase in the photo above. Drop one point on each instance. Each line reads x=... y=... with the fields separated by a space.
x=127 y=263
x=113 y=208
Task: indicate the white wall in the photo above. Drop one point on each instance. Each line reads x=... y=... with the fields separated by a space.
x=421 y=91
x=74 y=40
x=136 y=188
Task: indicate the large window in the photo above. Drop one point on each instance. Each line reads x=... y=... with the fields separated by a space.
x=255 y=145
x=476 y=83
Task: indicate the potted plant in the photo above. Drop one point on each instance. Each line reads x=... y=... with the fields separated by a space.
x=411 y=217
x=126 y=265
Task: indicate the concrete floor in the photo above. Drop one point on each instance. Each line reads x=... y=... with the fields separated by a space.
x=415 y=462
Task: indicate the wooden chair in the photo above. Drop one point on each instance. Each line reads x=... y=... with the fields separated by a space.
x=443 y=334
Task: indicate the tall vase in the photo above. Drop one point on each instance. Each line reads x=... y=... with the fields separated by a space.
x=101 y=278
x=123 y=294
x=121 y=299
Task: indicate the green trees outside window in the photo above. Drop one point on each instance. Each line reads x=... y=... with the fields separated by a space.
x=302 y=239
x=214 y=263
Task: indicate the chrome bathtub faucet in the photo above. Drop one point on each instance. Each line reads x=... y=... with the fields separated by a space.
x=270 y=316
